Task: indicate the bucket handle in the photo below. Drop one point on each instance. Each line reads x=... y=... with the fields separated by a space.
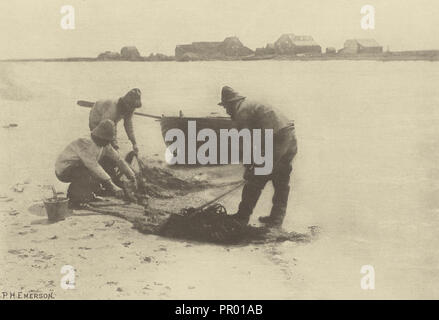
x=55 y=194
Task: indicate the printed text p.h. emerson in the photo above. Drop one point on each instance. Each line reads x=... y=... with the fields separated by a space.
x=20 y=295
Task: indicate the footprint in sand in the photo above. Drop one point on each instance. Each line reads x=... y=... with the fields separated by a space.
x=275 y=256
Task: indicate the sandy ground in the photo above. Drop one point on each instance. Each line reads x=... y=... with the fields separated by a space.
x=112 y=260
x=366 y=173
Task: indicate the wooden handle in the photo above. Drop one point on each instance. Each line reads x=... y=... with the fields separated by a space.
x=89 y=104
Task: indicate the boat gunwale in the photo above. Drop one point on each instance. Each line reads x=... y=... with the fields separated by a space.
x=194 y=118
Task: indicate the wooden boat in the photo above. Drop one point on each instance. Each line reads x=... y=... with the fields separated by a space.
x=214 y=123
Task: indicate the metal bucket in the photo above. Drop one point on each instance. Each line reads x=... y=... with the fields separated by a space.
x=56 y=208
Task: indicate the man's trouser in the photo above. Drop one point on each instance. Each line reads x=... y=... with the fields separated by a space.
x=82 y=184
x=280 y=177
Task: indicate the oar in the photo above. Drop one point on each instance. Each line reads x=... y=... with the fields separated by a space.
x=89 y=104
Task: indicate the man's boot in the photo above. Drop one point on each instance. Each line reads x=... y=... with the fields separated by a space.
x=81 y=191
x=78 y=194
x=275 y=219
x=278 y=211
x=250 y=195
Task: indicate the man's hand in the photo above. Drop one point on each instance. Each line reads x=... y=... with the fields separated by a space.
x=118 y=192
x=134 y=182
x=135 y=149
x=132 y=177
x=249 y=172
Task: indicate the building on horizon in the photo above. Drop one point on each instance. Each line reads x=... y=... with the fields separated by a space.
x=230 y=48
x=130 y=53
x=109 y=55
x=359 y=46
x=331 y=51
x=269 y=49
x=291 y=44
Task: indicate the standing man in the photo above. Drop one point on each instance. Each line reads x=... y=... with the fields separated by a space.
x=80 y=164
x=254 y=115
x=115 y=110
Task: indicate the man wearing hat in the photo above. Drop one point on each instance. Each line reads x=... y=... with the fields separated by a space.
x=79 y=164
x=115 y=110
x=253 y=115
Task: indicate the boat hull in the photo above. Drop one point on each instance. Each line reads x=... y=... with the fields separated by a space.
x=214 y=123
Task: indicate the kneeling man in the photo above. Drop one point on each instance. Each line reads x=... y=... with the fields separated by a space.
x=79 y=164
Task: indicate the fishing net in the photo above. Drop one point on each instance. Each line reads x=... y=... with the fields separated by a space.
x=160 y=183
x=210 y=224
x=153 y=213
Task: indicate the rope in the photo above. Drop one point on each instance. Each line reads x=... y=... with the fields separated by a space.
x=191 y=211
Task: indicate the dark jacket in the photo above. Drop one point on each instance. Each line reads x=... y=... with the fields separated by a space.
x=253 y=115
x=108 y=109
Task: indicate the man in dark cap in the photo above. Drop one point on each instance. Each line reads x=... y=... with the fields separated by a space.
x=115 y=110
x=254 y=115
x=80 y=164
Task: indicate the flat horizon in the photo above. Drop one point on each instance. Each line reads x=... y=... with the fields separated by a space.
x=32 y=30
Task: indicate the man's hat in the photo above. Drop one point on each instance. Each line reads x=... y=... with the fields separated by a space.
x=105 y=130
x=229 y=95
x=133 y=98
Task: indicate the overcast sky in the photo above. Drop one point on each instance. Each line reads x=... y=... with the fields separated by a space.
x=31 y=28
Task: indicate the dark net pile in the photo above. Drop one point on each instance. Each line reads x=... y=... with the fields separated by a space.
x=209 y=224
x=212 y=224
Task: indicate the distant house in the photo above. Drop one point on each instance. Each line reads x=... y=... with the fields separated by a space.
x=290 y=44
x=331 y=50
x=109 y=55
x=267 y=50
x=357 y=46
x=130 y=53
x=231 y=47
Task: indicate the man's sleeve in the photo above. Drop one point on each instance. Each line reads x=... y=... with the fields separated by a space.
x=111 y=153
x=243 y=120
x=95 y=115
x=265 y=117
x=88 y=158
x=121 y=164
x=114 y=143
x=129 y=128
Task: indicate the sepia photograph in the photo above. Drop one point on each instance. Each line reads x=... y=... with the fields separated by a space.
x=219 y=150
